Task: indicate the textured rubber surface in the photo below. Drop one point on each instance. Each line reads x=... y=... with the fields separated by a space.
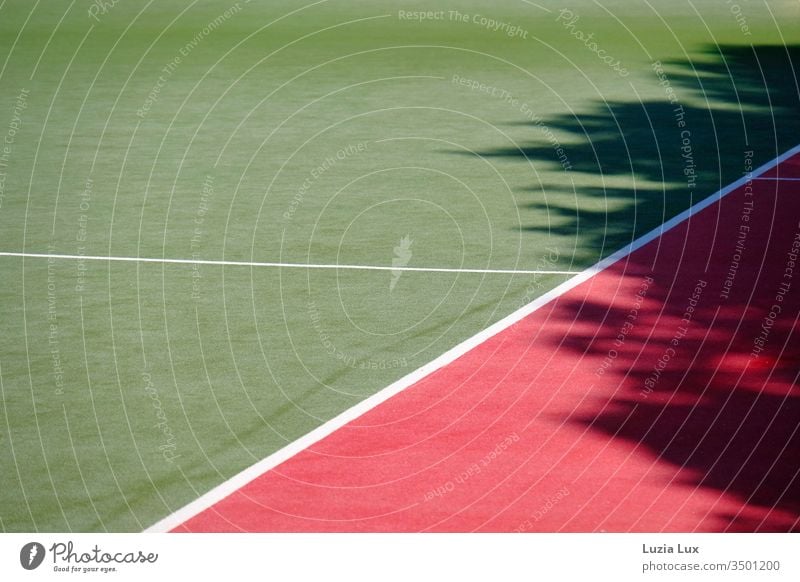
x=659 y=395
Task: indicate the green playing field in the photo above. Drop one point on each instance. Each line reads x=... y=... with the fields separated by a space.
x=471 y=137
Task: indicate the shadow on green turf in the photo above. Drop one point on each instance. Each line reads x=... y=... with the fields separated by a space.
x=735 y=99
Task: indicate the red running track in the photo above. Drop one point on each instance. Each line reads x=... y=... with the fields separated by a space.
x=659 y=395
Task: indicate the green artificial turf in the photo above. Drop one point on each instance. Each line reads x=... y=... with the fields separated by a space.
x=320 y=134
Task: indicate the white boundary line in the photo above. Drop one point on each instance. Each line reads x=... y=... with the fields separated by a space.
x=236 y=482
x=778 y=179
x=281 y=265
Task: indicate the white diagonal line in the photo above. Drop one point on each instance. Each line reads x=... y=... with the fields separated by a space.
x=271 y=461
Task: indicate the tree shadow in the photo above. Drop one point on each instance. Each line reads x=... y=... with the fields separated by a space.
x=726 y=421
x=671 y=152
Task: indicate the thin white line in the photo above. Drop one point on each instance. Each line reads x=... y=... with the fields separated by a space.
x=49 y=40
x=281 y=265
x=236 y=482
x=778 y=179
x=537 y=5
